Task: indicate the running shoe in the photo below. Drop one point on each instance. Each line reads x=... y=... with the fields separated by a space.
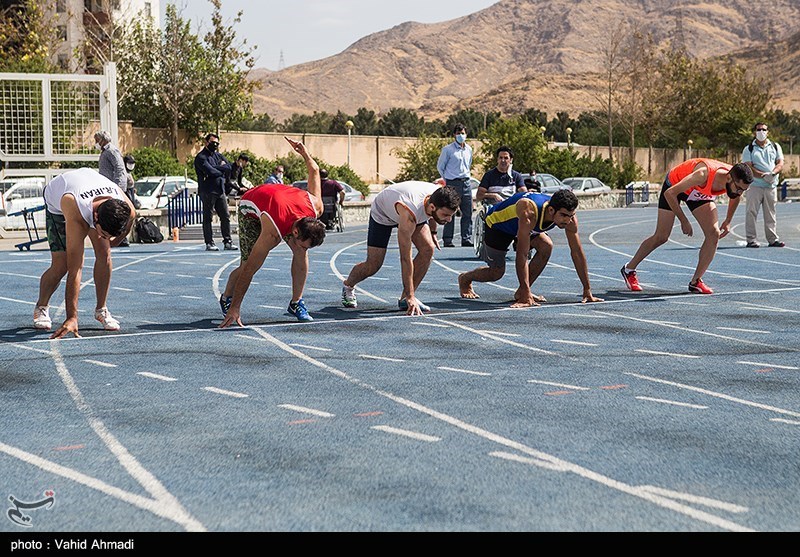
x=699 y=288
x=225 y=303
x=41 y=318
x=299 y=310
x=403 y=305
x=349 y=297
x=104 y=317
x=630 y=280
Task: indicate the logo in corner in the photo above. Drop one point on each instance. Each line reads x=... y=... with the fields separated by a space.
x=17 y=513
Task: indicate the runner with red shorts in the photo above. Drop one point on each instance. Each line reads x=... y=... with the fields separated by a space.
x=696 y=182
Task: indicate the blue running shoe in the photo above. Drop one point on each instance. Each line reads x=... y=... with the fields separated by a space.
x=225 y=303
x=299 y=310
x=403 y=305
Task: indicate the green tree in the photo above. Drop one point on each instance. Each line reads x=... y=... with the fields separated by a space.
x=401 y=122
x=518 y=133
x=260 y=123
x=474 y=120
x=365 y=123
x=339 y=123
x=318 y=122
x=27 y=38
x=152 y=161
x=419 y=159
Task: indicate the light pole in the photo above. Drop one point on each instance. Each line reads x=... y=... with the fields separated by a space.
x=569 y=137
x=543 y=129
x=349 y=125
x=690 y=143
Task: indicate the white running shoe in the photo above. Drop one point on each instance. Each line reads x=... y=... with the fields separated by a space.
x=104 y=317
x=349 y=297
x=41 y=318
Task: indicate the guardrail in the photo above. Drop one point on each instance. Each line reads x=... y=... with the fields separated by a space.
x=184 y=209
x=630 y=195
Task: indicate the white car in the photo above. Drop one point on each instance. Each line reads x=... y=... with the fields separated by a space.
x=350 y=193
x=18 y=194
x=587 y=185
x=154 y=192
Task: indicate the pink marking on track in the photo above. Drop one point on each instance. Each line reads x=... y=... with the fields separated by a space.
x=614 y=387
x=765 y=370
x=368 y=414
x=560 y=393
x=70 y=448
x=300 y=422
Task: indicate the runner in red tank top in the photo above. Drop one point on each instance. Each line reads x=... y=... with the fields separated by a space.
x=697 y=182
x=268 y=214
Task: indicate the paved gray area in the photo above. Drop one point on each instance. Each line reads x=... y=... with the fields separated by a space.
x=652 y=411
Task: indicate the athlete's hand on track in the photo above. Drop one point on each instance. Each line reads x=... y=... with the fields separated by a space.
x=231 y=318
x=413 y=306
x=69 y=326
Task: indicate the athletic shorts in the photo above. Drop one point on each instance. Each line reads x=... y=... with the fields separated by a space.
x=663 y=204
x=249 y=231
x=378 y=234
x=495 y=246
x=56 y=231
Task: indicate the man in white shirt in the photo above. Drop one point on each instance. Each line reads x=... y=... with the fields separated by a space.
x=765 y=159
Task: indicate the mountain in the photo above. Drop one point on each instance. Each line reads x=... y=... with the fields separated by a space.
x=513 y=55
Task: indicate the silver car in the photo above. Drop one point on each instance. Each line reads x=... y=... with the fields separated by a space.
x=587 y=185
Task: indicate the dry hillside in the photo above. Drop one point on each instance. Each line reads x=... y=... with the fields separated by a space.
x=519 y=54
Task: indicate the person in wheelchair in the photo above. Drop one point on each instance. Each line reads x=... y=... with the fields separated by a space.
x=500 y=182
x=332 y=199
x=526 y=218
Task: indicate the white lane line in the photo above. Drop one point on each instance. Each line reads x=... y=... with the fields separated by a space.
x=494 y=336
x=217 y=275
x=155 y=273
x=407 y=433
x=191 y=297
x=666 y=353
x=770 y=308
x=368 y=357
x=696 y=499
x=690 y=304
x=224 y=392
x=528 y=460
x=157 y=293
x=19 y=345
x=541 y=456
x=482 y=373
x=782 y=421
x=734 y=329
x=101 y=364
x=422 y=323
x=151 y=505
x=715 y=394
x=318 y=290
x=589 y=315
x=269 y=269
x=304 y=410
x=575 y=342
x=672 y=402
x=500 y=333
x=156 y=376
x=272 y=307
x=20 y=275
x=282 y=286
x=311 y=347
x=762 y=364
x=341 y=252
x=185 y=276
x=122 y=289
x=377 y=278
x=560 y=385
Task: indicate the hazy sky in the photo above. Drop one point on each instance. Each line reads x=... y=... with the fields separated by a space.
x=307 y=30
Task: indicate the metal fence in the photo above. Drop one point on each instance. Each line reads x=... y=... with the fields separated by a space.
x=184 y=209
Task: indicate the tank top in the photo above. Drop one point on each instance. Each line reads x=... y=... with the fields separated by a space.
x=698 y=193
x=84 y=185
x=284 y=205
x=412 y=194
x=503 y=216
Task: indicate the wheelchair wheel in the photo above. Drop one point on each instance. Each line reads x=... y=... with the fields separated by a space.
x=338 y=218
x=477 y=229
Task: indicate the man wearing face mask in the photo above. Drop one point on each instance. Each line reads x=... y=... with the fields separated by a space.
x=277 y=175
x=212 y=169
x=454 y=166
x=696 y=182
x=765 y=159
x=130 y=190
x=112 y=166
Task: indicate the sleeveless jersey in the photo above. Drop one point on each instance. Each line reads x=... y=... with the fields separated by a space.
x=284 y=205
x=84 y=185
x=698 y=193
x=503 y=216
x=411 y=194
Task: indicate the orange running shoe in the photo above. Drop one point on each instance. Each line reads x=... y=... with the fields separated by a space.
x=699 y=288
x=630 y=280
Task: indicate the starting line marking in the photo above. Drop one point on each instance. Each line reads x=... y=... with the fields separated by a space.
x=156 y=376
x=481 y=373
x=368 y=357
x=668 y=354
x=575 y=342
x=224 y=392
x=762 y=364
x=406 y=433
x=561 y=385
x=674 y=403
x=304 y=410
x=102 y=364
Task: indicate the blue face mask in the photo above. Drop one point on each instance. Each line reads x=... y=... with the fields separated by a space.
x=461 y=138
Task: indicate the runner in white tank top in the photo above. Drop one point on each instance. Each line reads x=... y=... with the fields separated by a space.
x=84 y=185
x=411 y=194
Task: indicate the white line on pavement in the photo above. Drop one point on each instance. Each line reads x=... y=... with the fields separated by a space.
x=734 y=329
x=102 y=364
x=465 y=371
x=762 y=364
x=674 y=403
x=312 y=347
x=575 y=342
x=667 y=354
x=304 y=410
x=561 y=385
x=407 y=433
x=368 y=357
x=224 y=392
x=156 y=376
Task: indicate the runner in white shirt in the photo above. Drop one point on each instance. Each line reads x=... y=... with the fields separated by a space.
x=81 y=203
x=409 y=207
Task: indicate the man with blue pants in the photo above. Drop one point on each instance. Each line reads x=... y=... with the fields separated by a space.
x=765 y=159
x=454 y=167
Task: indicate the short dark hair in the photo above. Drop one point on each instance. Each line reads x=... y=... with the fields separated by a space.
x=210 y=135
x=504 y=149
x=446 y=198
x=459 y=128
x=113 y=215
x=742 y=172
x=311 y=229
x=323 y=173
x=564 y=199
x=244 y=158
x=760 y=124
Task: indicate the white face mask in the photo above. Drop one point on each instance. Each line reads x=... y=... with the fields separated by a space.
x=279 y=175
x=130 y=167
x=761 y=136
x=98 y=147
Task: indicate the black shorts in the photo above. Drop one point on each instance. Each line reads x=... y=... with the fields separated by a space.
x=378 y=234
x=663 y=204
x=496 y=239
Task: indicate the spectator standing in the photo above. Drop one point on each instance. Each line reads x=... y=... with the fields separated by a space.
x=212 y=169
x=112 y=166
x=277 y=175
x=765 y=159
x=233 y=180
x=130 y=165
x=454 y=166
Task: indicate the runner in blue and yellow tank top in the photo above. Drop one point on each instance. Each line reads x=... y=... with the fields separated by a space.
x=526 y=217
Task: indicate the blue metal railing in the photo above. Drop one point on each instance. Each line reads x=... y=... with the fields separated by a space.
x=184 y=209
x=784 y=190
x=629 y=195
x=646 y=193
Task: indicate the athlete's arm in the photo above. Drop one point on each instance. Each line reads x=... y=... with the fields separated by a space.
x=77 y=229
x=579 y=260
x=526 y=215
x=696 y=178
x=266 y=242
x=406 y=226
x=314 y=182
x=725 y=227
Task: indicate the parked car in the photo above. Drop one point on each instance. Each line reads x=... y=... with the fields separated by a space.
x=350 y=193
x=19 y=194
x=550 y=184
x=153 y=192
x=587 y=185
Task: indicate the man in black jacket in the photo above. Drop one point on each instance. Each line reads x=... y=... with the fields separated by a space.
x=212 y=169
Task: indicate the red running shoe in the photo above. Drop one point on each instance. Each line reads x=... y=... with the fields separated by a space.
x=699 y=288
x=630 y=280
